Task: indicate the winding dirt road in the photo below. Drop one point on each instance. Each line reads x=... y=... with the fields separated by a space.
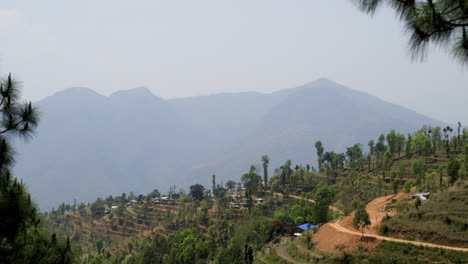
x=340 y=228
x=371 y=208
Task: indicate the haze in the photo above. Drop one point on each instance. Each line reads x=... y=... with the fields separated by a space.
x=186 y=48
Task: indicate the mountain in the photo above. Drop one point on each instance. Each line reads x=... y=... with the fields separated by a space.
x=89 y=145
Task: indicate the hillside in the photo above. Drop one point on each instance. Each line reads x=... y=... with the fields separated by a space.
x=134 y=140
x=249 y=222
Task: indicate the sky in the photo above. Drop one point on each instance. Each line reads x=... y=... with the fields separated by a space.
x=185 y=48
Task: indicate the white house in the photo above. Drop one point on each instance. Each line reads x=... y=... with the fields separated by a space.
x=422 y=196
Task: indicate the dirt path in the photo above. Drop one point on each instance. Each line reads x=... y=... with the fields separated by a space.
x=340 y=228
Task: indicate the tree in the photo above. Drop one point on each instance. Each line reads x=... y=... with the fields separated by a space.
x=387 y=162
x=197 y=192
x=265 y=162
x=436 y=139
x=392 y=141
x=99 y=246
x=440 y=22
x=213 y=181
x=354 y=154
x=23 y=237
x=380 y=147
x=409 y=144
x=371 y=147
x=466 y=159
x=459 y=128
x=285 y=172
x=320 y=150
x=361 y=219
x=323 y=198
x=231 y=185
x=400 y=143
x=251 y=181
x=447 y=130
x=417 y=203
x=422 y=143
x=452 y=170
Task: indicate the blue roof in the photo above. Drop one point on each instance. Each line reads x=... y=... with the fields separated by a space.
x=306 y=226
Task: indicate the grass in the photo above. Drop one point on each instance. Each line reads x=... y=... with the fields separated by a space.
x=391 y=252
x=443 y=219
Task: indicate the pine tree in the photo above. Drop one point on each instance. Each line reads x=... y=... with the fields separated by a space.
x=440 y=22
x=22 y=237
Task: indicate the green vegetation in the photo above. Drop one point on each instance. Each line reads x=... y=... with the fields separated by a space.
x=440 y=22
x=361 y=219
x=239 y=221
x=442 y=219
x=23 y=238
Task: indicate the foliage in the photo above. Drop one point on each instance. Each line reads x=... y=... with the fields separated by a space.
x=441 y=22
x=361 y=219
x=23 y=239
x=197 y=191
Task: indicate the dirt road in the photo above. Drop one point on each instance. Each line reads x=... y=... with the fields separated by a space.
x=340 y=228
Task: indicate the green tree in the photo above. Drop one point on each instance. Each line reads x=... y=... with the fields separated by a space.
x=286 y=172
x=417 y=203
x=361 y=219
x=380 y=147
x=320 y=150
x=213 y=182
x=466 y=159
x=447 y=130
x=99 y=245
x=23 y=239
x=440 y=22
x=231 y=185
x=265 y=162
x=392 y=141
x=197 y=191
x=371 y=147
x=323 y=198
x=400 y=143
x=409 y=146
x=251 y=181
x=436 y=139
x=387 y=163
x=422 y=143
x=452 y=170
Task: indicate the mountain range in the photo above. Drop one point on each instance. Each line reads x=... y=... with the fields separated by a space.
x=89 y=145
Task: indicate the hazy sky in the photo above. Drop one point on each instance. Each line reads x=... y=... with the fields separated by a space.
x=184 y=48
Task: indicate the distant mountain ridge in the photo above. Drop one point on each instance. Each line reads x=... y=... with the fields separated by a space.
x=91 y=145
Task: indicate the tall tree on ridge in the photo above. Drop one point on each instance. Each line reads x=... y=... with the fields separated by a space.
x=265 y=162
x=320 y=150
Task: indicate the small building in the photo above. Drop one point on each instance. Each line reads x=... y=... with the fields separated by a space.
x=114 y=207
x=305 y=227
x=422 y=196
x=257 y=201
x=106 y=210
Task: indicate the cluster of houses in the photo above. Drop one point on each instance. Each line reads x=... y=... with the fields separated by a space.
x=237 y=201
x=166 y=200
x=172 y=199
